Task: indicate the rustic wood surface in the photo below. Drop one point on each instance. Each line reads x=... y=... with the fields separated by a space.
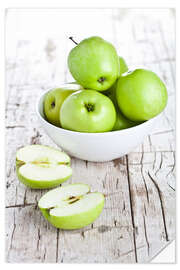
x=139 y=215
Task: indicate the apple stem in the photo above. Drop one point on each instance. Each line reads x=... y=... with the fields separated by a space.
x=71 y=38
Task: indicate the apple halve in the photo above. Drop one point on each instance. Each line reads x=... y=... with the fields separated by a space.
x=72 y=206
x=40 y=166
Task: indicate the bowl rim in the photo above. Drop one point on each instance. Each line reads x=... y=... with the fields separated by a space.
x=146 y=123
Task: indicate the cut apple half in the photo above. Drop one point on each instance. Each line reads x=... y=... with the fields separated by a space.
x=72 y=206
x=40 y=166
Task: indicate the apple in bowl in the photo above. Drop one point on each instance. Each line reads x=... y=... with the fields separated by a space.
x=88 y=111
x=54 y=100
x=141 y=94
x=94 y=63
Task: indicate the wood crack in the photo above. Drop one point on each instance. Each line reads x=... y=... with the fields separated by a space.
x=8 y=127
x=102 y=229
x=131 y=209
x=38 y=238
x=44 y=256
x=25 y=197
x=171 y=187
x=150 y=143
x=142 y=173
x=36 y=138
x=173 y=166
x=132 y=250
x=160 y=165
x=161 y=203
x=145 y=233
x=86 y=163
x=20 y=205
x=154 y=163
x=12 y=235
x=57 y=245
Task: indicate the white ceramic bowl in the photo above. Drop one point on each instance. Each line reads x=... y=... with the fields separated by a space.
x=98 y=147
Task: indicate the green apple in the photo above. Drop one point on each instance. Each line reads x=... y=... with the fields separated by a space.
x=123 y=65
x=72 y=206
x=141 y=95
x=111 y=92
x=88 y=111
x=54 y=100
x=94 y=63
x=40 y=166
x=121 y=121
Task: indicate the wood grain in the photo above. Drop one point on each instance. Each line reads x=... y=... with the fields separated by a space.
x=139 y=215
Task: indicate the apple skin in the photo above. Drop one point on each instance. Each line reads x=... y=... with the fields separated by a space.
x=94 y=63
x=141 y=95
x=123 y=65
x=40 y=184
x=88 y=111
x=111 y=92
x=54 y=100
x=76 y=221
x=121 y=121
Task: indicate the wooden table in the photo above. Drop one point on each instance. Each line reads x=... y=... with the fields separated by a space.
x=138 y=219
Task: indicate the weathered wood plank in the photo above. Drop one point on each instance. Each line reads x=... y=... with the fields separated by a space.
x=30 y=237
x=110 y=243
x=111 y=237
x=153 y=201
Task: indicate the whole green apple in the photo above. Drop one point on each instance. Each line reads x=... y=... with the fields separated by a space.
x=54 y=100
x=141 y=95
x=121 y=121
x=40 y=166
x=72 y=206
x=88 y=111
x=94 y=63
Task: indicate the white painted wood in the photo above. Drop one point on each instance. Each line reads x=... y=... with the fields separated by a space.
x=138 y=218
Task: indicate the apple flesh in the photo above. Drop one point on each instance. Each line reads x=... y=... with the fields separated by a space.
x=88 y=111
x=94 y=63
x=141 y=95
x=40 y=166
x=72 y=206
x=54 y=100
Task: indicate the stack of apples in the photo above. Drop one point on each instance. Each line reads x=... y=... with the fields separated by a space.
x=105 y=96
